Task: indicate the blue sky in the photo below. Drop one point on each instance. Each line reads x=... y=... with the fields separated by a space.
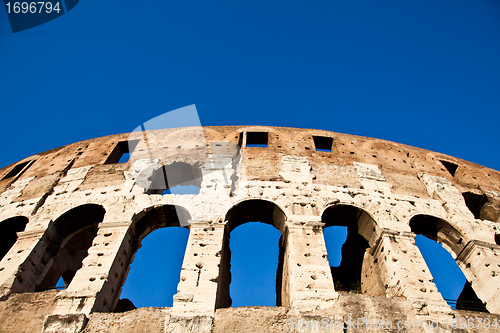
x=424 y=73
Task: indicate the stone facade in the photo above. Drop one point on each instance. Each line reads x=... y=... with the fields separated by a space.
x=76 y=212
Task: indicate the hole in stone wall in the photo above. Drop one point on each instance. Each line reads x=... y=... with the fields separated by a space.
x=252 y=242
x=157 y=234
x=65 y=280
x=497 y=239
x=323 y=143
x=176 y=178
x=475 y=202
x=154 y=282
x=122 y=152
x=60 y=285
x=8 y=232
x=254 y=264
x=447 y=275
x=335 y=237
x=21 y=167
x=450 y=166
x=347 y=275
x=257 y=139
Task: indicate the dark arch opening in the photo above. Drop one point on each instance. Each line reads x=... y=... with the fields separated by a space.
x=159 y=217
x=347 y=275
x=441 y=263
x=160 y=234
x=68 y=240
x=240 y=214
x=255 y=210
x=439 y=231
x=8 y=232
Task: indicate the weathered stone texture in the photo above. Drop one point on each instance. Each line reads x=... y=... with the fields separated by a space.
x=87 y=215
x=26 y=312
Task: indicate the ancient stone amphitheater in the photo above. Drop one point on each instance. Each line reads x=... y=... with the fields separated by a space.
x=75 y=212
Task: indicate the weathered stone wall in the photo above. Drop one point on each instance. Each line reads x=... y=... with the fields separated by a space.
x=384 y=192
x=26 y=312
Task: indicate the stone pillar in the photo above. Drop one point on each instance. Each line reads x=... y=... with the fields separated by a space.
x=24 y=263
x=394 y=266
x=96 y=285
x=194 y=303
x=307 y=279
x=480 y=262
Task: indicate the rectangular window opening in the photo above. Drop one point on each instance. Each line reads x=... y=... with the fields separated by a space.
x=323 y=143
x=122 y=152
x=17 y=170
x=450 y=166
x=257 y=139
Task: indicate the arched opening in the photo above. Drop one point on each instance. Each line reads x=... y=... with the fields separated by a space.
x=68 y=240
x=8 y=232
x=350 y=220
x=176 y=178
x=254 y=250
x=440 y=243
x=260 y=239
x=156 y=260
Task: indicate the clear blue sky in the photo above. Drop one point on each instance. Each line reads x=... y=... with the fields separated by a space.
x=424 y=73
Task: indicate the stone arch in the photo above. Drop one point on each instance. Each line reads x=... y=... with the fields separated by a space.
x=67 y=241
x=367 y=224
x=452 y=239
x=362 y=234
x=439 y=230
x=240 y=213
x=143 y=224
x=156 y=217
x=265 y=211
x=8 y=232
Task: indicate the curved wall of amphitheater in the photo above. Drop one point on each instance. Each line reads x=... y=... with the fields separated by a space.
x=76 y=212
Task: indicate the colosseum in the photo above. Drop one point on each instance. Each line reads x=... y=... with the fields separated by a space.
x=79 y=212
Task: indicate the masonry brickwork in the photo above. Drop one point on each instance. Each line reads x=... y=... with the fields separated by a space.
x=75 y=212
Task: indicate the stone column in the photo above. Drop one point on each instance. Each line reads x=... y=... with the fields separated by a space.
x=24 y=263
x=96 y=285
x=194 y=303
x=480 y=262
x=307 y=280
x=394 y=266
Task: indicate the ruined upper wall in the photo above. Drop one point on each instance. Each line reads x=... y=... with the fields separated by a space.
x=400 y=165
x=80 y=199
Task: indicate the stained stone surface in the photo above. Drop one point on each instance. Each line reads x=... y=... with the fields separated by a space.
x=75 y=212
